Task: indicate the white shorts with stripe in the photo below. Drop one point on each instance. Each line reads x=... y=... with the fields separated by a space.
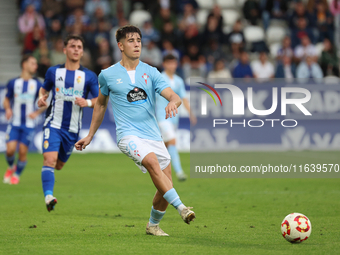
x=137 y=148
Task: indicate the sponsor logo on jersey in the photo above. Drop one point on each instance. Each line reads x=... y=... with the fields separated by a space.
x=68 y=94
x=119 y=81
x=137 y=96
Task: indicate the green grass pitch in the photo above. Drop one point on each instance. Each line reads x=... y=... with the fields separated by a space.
x=104 y=203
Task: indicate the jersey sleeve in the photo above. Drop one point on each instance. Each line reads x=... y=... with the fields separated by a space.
x=182 y=92
x=49 y=80
x=158 y=81
x=93 y=83
x=10 y=89
x=103 y=84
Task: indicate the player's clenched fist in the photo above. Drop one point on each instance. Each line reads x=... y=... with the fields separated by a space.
x=171 y=110
x=82 y=143
x=42 y=101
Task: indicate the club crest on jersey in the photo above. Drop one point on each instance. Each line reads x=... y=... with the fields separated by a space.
x=137 y=96
x=145 y=77
x=46 y=144
x=79 y=79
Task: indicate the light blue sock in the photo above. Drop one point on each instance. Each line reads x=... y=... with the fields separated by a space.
x=10 y=160
x=175 y=160
x=47 y=178
x=172 y=198
x=155 y=216
x=20 y=167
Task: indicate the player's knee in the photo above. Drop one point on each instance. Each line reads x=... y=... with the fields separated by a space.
x=50 y=161
x=59 y=165
x=152 y=165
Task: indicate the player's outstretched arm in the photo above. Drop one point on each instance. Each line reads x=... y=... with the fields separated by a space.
x=174 y=102
x=43 y=95
x=97 y=119
x=186 y=104
x=8 y=109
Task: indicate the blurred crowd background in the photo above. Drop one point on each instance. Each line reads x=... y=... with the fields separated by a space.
x=262 y=39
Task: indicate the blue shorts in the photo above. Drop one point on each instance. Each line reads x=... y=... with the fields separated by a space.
x=22 y=134
x=59 y=140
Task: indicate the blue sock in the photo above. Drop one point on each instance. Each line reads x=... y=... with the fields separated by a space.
x=10 y=160
x=156 y=216
x=20 y=167
x=175 y=160
x=172 y=198
x=47 y=178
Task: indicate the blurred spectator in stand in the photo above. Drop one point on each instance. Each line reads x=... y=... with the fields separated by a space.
x=191 y=36
x=220 y=72
x=149 y=33
x=251 y=11
x=32 y=39
x=286 y=49
x=102 y=31
x=285 y=69
x=55 y=30
x=168 y=48
x=42 y=55
x=168 y=33
x=324 y=22
x=236 y=37
x=301 y=31
x=274 y=9
x=79 y=19
x=57 y=53
x=51 y=10
x=243 y=69
x=29 y=19
x=262 y=69
x=211 y=32
x=117 y=55
x=213 y=52
x=35 y=3
x=335 y=10
x=182 y=4
x=194 y=62
x=306 y=48
x=72 y=5
x=163 y=17
x=309 y=70
x=188 y=18
x=216 y=13
x=91 y=7
x=120 y=9
x=103 y=57
x=311 y=5
x=329 y=61
x=152 y=55
x=300 y=12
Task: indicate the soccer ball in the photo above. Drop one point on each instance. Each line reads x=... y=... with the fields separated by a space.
x=296 y=228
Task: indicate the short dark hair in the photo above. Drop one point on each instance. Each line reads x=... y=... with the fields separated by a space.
x=169 y=57
x=73 y=37
x=25 y=58
x=123 y=31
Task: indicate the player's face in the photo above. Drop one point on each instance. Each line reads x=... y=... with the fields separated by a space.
x=31 y=66
x=170 y=65
x=131 y=46
x=74 y=50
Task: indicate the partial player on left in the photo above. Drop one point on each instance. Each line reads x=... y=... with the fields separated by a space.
x=19 y=104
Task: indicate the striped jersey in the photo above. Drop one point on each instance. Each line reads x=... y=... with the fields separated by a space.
x=23 y=95
x=66 y=86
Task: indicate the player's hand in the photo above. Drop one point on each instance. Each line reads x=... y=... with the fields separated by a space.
x=171 y=110
x=81 y=102
x=9 y=113
x=193 y=120
x=42 y=101
x=33 y=115
x=82 y=143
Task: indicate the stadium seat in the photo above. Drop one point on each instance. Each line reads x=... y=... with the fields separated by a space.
x=319 y=48
x=274 y=48
x=230 y=16
x=138 y=17
x=275 y=34
x=227 y=4
x=254 y=34
x=204 y=4
x=202 y=16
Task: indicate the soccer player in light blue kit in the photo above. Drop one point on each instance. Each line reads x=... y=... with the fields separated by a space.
x=131 y=86
x=70 y=84
x=168 y=127
x=22 y=92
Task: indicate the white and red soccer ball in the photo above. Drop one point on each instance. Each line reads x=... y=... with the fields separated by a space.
x=296 y=227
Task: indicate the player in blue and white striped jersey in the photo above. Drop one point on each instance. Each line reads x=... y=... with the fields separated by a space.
x=21 y=112
x=70 y=84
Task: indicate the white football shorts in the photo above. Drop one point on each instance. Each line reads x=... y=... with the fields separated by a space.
x=168 y=130
x=137 y=148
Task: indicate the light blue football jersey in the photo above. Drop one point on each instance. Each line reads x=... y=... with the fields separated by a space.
x=133 y=104
x=177 y=85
